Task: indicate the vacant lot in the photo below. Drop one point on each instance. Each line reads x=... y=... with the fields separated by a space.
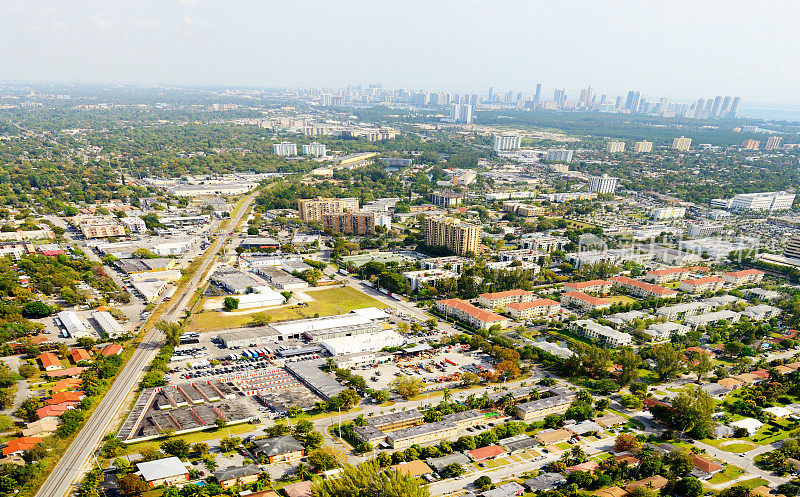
x=621 y=299
x=325 y=302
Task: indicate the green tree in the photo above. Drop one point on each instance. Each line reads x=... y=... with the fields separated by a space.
x=689 y=487
x=230 y=303
x=370 y=479
x=406 y=386
x=630 y=362
x=668 y=361
x=132 y=485
x=176 y=447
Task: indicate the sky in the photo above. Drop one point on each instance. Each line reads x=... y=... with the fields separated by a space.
x=675 y=48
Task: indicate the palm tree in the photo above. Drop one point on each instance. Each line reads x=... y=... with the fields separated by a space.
x=446 y=394
x=302 y=471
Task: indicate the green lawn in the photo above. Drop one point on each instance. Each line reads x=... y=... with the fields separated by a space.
x=773 y=431
x=729 y=473
x=191 y=438
x=753 y=483
x=327 y=302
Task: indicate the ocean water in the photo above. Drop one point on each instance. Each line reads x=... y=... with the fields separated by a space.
x=771 y=112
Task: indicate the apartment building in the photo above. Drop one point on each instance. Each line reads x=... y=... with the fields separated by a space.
x=744 y=277
x=583 y=301
x=670 y=274
x=592 y=286
x=681 y=144
x=711 y=318
x=605 y=335
x=499 y=300
x=355 y=223
x=761 y=312
x=312 y=209
x=558 y=403
x=702 y=285
x=643 y=147
x=533 y=308
x=418 y=279
x=679 y=312
x=450 y=426
x=641 y=289
x=459 y=237
x=446 y=199
x=468 y=313
x=102 y=230
x=615 y=147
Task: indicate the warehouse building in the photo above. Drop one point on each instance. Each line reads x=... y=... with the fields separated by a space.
x=72 y=324
x=110 y=326
x=367 y=342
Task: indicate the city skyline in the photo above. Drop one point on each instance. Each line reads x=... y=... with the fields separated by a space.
x=193 y=43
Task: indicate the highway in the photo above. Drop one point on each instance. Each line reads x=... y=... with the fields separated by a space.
x=77 y=457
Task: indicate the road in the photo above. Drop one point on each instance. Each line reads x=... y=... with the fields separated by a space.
x=77 y=457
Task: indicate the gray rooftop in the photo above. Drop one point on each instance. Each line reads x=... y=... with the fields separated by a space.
x=234 y=472
x=278 y=445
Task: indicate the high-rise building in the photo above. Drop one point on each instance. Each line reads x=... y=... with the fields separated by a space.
x=506 y=142
x=457 y=236
x=538 y=95
x=315 y=149
x=558 y=155
x=602 y=184
x=461 y=113
x=734 y=107
x=632 y=102
x=726 y=105
x=716 y=108
x=312 y=209
x=681 y=144
x=615 y=147
x=285 y=149
x=491 y=94
x=509 y=97
x=792 y=250
x=751 y=144
x=446 y=199
x=764 y=201
x=773 y=142
x=357 y=223
x=643 y=147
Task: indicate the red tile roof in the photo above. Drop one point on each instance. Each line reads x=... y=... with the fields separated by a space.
x=704 y=464
x=580 y=285
x=477 y=313
x=67 y=384
x=704 y=280
x=64 y=397
x=22 y=443
x=744 y=272
x=669 y=270
x=486 y=452
x=112 y=349
x=533 y=303
x=589 y=299
x=49 y=359
x=507 y=293
x=55 y=410
x=73 y=371
x=649 y=287
x=588 y=467
x=80 y=355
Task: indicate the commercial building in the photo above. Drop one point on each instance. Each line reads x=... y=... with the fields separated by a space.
x=102 y=230
x=315 y=149
x=134 y=224
x=506 y=142
x=603 y=184
x=668 y=213
x=583 y=301
x=367 y=342
x=72 y=323
x=459 y=237
x=558 y=155
x=313 y=209
x=766 y=201
x=461 y=113
x=615 y=147
x=446 y=199
x=681 y=144
x=285 y=149
x=108 y=324
x=704 y=229
x=641 y=289
x=643 y=147
x=355 y=223
x=533 y=308
x=557 y=403
x=357 y=160
x=702 y=285
x=792 y=249
x=468 y=313
x=592 y=286
x=418 y=279
x=168 y=471
x=498 y=300
x=744 y=277
x=603 y=334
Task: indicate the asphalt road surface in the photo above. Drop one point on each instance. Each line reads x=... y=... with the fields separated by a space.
x=79 y=456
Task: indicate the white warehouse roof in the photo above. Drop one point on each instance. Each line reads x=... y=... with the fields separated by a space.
x=108 y=324
x=359 y=316
x=367 y=342
x=71 y=322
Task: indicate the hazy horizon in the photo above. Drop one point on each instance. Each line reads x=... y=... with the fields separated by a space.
x=681 y=50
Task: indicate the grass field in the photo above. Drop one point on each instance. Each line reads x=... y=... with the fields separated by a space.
x=729 y=473
x=191 y=438
x=327 y=302
x=753 y=483
x=620 y=299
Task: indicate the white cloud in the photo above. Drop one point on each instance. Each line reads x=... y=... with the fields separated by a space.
x=147 y=23
x=60 y=25
x=188 y=3
x=99 y=21
x=34 y=27
x=191 y=22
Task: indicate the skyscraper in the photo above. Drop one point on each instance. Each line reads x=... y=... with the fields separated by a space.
x=461 y=113
x=734 y=107
x=773 y=142
x=682 y=144
x=538 y=94
x=491 y=94
x=715 y=109
x=726 y=105
x=632 y=103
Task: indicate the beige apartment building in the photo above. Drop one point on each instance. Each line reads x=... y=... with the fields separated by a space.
x=357 y=223
x=312 y=209
x=452 y=233
x=102 y=230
